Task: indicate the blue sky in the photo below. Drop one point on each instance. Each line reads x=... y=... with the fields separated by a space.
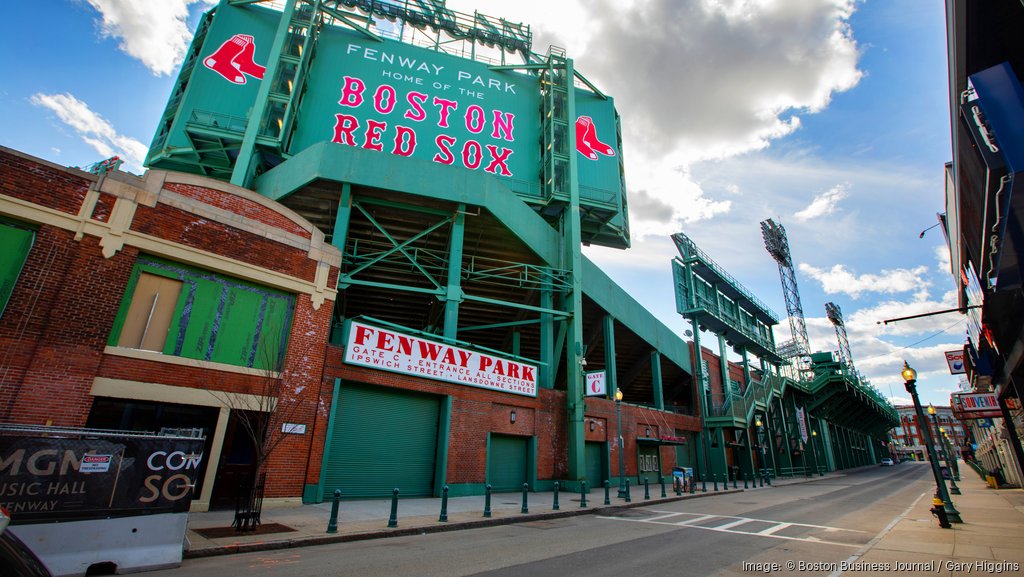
x=829 y=116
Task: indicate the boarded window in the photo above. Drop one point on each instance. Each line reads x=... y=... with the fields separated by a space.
x=150 y=313
x=16 y=242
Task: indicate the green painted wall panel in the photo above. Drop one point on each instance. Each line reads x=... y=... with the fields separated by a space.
x=506 y=463
x=17 y=241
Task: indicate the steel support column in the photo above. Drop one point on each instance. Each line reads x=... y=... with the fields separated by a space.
x=453 y=293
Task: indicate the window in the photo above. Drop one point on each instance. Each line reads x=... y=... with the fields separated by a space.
x=17 y=241
x=181 y=311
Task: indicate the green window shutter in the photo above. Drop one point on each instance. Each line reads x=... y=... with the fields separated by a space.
x=17 y=241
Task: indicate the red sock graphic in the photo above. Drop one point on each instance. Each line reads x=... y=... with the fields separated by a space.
x=220 y=61
x=585 y=125
x=244 y=62
x=581 y=138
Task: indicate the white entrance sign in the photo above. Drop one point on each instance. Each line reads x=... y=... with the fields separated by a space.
x=597 y=384
x=390 y=350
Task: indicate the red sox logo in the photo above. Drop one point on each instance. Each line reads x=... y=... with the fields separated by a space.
x=587 y=142
x=233 y=60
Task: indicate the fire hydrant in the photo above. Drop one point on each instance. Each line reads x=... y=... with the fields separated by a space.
x=939 y=510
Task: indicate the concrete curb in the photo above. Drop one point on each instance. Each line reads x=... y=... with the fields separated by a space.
x=439 y=527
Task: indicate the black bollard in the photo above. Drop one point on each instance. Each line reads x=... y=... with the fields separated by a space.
x=393 y=519
x=487 y=501
x=734 y=483
x=444 y=505
x=607 y=494
x=761 y=477
x=662 y=479
x=525 y=509
x=332 y=525
x=744 y=475
x=714 y=479
x=628 y=499
x=677 y=484
x=693 y=485
x=767 y=477
x=647 y=489
x=583 y=494
x=554 y=507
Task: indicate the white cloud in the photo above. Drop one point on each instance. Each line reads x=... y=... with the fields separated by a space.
x=839 y=280
x=155 y=33
x=824 y=204
x=95 y=130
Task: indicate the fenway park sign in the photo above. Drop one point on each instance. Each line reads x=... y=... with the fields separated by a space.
x=390 y=350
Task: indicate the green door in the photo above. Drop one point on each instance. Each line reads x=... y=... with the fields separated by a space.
x=649 y=461
x=597 y=463
x=506 y=463
x=383 y=439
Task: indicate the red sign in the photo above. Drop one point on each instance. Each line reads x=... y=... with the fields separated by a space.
x=390 y=350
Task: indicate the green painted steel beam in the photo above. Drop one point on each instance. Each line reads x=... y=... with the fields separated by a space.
x=610 y=367
x=536 y=309
x=344 y=282
x=453 y=291
x=499 y=325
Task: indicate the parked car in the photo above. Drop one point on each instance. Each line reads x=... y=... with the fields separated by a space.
x=17 y=560
x=887 y=462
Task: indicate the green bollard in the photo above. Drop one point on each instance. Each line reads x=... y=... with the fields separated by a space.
x=768 y=477
x=744 y=475
x=734 y=483
x=714 y=478
x=647 y=490
x=703 y=483
x=761 y=477
x=444 y=505
x=554 y=507
x=583 y=494
x=628 y=499
x=693 y=485
x=678 y=486
x=487 y=501
x=607 y=494
x=525 y=509
x=393 y=519
x=662 y=479
x=332 y=525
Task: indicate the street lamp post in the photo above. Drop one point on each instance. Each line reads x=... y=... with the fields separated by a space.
x=760 y=442
x=622 y=452
x=814 y=447
x=910 y=382
x=949 y=464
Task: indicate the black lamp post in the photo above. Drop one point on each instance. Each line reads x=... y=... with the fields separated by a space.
x=910 y=382
x=760 y=442
x=622 y=466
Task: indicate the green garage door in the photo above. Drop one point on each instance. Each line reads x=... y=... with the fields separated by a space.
x=596 y=456
x=506 y=466
x=383 y=439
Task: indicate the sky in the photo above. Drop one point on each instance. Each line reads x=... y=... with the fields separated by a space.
x=830 y=117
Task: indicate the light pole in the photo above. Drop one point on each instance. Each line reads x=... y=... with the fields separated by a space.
x=814 y=447
x=622 y=465
x=949 y=466
x=760 y=442
x=910 y=382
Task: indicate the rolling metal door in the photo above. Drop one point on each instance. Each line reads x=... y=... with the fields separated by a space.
x=506 y=467
x=383 y=439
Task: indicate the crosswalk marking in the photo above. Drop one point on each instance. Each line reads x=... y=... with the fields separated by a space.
x=668 y=518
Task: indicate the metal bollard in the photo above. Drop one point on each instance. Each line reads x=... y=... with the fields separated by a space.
x=628 y=499
x=662 y=479
x=525 y=509
x=767 y=477
x=444 y=505
x=607 y=494
x=487 y=501
x=761 y=477
x=693 y=485
x=647 y=489
x=714 y=478
x=393 y=519
x=677 y=484
x=583 y=494
x=744 y=475
x=703 y=483
x=554 y=507
x=734 y=483
x=332 y=525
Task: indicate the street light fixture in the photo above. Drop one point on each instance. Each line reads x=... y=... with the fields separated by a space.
x=949 y=466
x=760 y=442
x=910 y=382
x=618 y=421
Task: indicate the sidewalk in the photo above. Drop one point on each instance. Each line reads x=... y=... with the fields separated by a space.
x=368 y=519
x=990 y=540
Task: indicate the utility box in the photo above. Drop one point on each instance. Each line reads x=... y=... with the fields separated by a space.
x=81 y=498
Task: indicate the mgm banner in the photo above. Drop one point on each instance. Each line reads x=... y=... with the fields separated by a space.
x=53 y=478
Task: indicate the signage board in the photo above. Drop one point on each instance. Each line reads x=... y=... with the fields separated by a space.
x=955 y=360
x=597 y=384
x=801 y=419
x=46 y=479
x=975 y=405
x=390 y=350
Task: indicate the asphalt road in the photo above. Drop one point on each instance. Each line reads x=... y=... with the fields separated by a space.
x=738 y=534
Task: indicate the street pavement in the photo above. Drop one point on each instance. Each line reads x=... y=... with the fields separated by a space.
x=990 y=541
